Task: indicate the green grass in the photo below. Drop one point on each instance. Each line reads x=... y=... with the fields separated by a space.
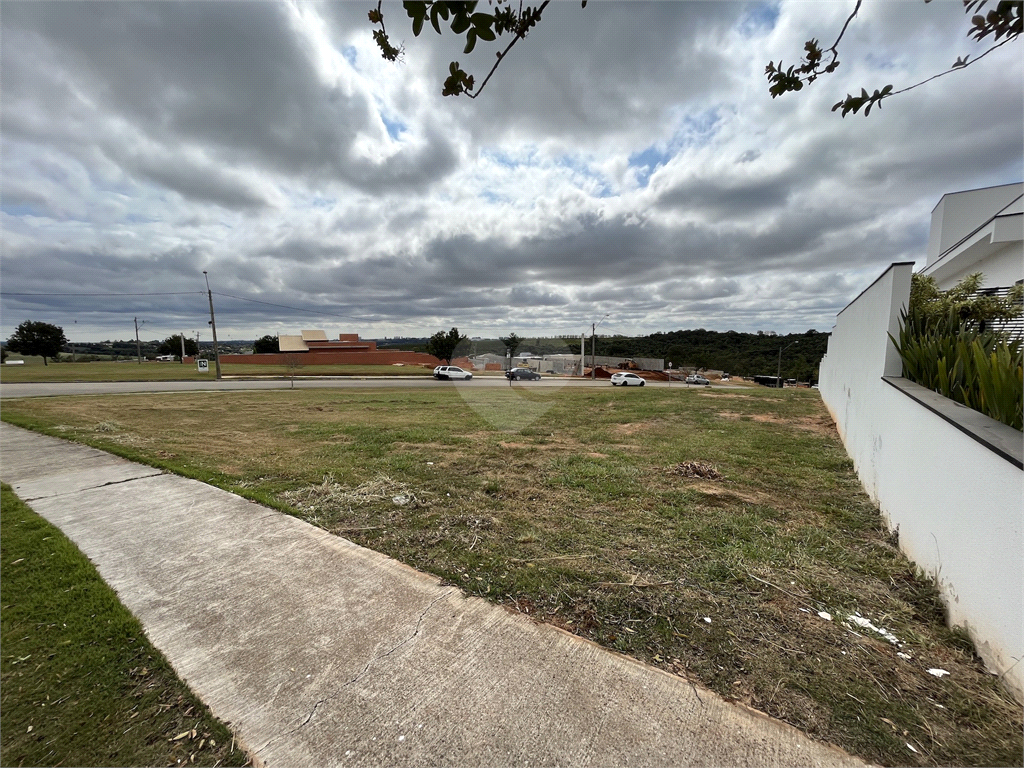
x=580 y=519
x=81 y=684
x=35 y=371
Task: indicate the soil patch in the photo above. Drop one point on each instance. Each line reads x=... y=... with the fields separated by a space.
x=820 y=424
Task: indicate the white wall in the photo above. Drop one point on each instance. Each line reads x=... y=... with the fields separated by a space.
x=959 y=506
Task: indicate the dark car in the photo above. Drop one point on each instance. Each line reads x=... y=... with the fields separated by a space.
x=516 y=374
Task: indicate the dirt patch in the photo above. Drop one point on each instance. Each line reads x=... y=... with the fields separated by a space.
x=635 y=427
x=820 y=424
x=715 y=488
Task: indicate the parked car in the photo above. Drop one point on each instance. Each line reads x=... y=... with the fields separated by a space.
x=448 y=372
x=696 y=378
x=725 y=377
x=626 y=379
x=517 y=374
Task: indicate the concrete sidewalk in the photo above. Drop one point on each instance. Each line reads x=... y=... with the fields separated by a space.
x=319 y=652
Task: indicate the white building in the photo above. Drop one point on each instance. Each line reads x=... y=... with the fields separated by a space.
x=949 y=480
x=980 y=230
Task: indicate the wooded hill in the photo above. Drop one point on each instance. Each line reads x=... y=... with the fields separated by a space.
x=741 y=354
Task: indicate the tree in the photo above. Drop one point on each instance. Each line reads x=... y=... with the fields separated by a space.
x=1002 y=24
x=511 y=343
x=3 y=354
x=265 y=344
x=172 y=346
x=443 y=345
x=294 y=361
x=43 y=339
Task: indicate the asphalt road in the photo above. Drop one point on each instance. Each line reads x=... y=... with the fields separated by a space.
x=53 y=389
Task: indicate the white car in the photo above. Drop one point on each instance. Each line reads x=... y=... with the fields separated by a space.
x=697 y=379
x=626 y=379
x=448 y=372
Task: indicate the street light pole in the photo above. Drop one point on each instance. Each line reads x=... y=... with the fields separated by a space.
x=778 y=372
x=213 y=324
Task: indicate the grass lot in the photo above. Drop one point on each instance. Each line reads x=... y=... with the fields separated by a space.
x=81 y=685
x=35 y=371
x=584 y=519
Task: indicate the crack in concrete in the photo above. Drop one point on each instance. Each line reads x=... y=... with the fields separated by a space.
x=378 y=657
x=93 y=487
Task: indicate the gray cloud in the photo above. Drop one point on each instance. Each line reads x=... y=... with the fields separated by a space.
x=231 y=78
x=626 y=159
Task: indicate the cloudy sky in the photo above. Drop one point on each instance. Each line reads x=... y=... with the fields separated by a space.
x=626 y=159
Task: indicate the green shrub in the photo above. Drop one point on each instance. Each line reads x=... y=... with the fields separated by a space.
x=949 y=351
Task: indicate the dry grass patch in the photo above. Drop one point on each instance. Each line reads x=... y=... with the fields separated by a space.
x=583 y=524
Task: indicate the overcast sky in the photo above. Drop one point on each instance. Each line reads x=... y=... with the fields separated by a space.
x=626 y=159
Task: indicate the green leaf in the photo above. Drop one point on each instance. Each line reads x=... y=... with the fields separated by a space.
x=485 y=33
x=417 y=25
x=460 y=23
x=470 y=41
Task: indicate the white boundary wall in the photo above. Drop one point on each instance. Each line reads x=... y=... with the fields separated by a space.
x=957 y=501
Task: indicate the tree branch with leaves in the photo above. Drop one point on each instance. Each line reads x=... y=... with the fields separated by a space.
x=463 y=19
x=1003 y=24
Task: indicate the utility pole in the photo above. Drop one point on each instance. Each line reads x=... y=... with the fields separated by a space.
x=593 y=350
x=213 y=325
x=182 y=347
x=583 y=352
x=593 y=346
x=138 y=344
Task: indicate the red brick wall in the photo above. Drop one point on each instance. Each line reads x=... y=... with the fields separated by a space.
x=332 y=358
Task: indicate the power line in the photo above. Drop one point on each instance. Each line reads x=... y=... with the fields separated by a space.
x=179 y=293
x=192 y=293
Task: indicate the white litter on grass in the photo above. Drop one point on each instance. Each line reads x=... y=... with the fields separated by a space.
x=707 y=619
x=825 y=615
x=430 y=463
x=938 y=672
x=805 y=610
x=904 y=655
x=401 y=499
x=911 y=748
x=863 y=623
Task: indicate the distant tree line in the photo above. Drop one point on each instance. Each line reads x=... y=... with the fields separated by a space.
x=741 y=354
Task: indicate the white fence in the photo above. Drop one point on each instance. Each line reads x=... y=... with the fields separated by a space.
x=948 y=478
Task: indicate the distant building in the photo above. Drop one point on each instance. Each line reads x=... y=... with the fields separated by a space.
x=312 y=347
x=317 y=341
